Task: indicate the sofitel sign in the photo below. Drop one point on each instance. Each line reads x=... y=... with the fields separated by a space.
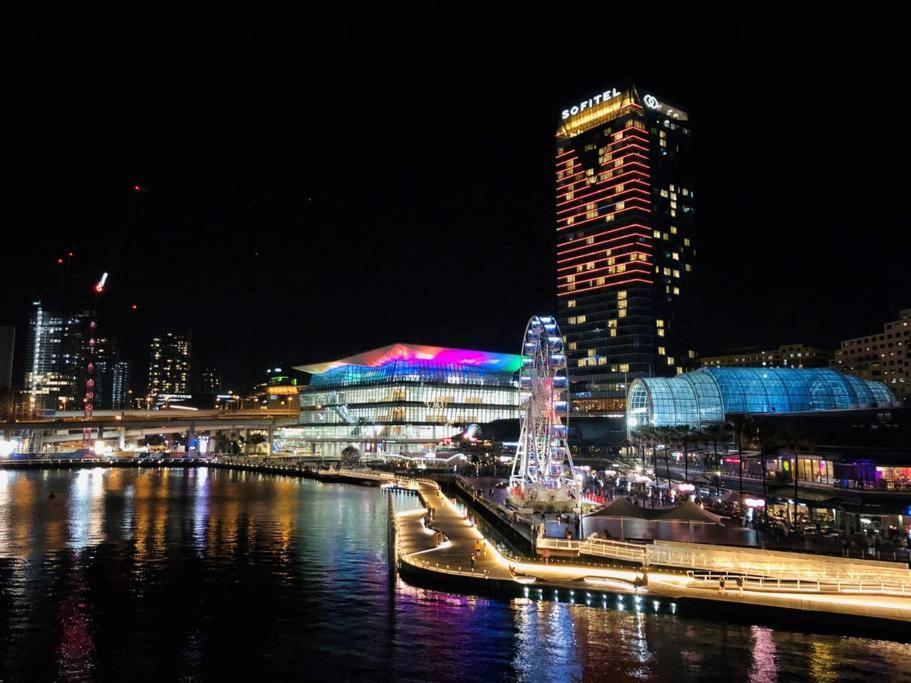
x=591 y=102
x=650 y=101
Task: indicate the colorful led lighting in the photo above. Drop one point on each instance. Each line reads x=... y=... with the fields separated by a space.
x=496 y=362
x=612 y=186
x=609 y=284
x=596 y=247
x=646 y=209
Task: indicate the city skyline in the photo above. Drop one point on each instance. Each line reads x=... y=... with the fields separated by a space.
x=266 y=405
x=330 y=225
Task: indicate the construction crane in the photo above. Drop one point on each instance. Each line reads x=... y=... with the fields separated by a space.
x=88 y=400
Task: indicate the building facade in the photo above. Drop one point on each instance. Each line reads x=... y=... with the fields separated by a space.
x=710 y=395
x=401 y=399
x=169 y=365
x=785 y=356
x=277 y=391
x=106 y=357
x=54 y=360
x=624 y=243
x=120 y=385
x=883 y=356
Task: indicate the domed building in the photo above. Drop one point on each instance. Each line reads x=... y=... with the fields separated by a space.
x=709 y=395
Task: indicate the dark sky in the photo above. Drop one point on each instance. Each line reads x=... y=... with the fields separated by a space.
x=322 y=181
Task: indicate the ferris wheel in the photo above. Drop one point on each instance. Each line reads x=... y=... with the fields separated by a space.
x=543 y=475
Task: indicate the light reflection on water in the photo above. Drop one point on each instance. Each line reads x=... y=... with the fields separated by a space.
x=218 y=574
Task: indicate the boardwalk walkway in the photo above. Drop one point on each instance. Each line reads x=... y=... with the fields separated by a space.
x=416 y=546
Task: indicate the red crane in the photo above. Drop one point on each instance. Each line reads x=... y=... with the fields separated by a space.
x=88 y=400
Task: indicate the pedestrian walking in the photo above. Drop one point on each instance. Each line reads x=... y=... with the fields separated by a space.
x=473 y=558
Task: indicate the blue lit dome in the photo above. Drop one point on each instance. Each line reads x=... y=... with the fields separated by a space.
x=708 y=394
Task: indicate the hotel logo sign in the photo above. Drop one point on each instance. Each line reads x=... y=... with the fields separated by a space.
x=648 y=100
x=608 y=94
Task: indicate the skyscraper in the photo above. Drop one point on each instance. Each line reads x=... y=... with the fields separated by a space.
x=111 y=375
x=169 y=364
x=120 y=385
x=53 y=360
x=624 y=244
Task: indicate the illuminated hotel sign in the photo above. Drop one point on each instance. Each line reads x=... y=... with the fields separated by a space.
x=649 y=101
x=609 y=94
x=653 y=102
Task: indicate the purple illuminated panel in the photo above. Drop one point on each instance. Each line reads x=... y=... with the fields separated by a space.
x=496 y=362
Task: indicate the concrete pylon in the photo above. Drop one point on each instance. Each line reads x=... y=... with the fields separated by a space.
x=191 y=438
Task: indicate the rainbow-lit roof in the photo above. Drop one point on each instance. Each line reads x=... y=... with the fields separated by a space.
x=495 y=362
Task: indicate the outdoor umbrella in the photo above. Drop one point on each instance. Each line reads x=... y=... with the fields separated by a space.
x=622 y=509
x=691 y=513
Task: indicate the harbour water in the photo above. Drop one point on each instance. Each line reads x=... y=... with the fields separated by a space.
x=213 y=574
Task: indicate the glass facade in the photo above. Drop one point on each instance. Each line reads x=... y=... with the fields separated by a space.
x=707 y=395
x=401 y=399
x=624 y=244
x=54 y=360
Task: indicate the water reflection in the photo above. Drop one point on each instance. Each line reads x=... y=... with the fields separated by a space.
x=765 y=664
x=171 y=573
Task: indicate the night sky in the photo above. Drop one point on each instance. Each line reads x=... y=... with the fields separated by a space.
x=322 y=181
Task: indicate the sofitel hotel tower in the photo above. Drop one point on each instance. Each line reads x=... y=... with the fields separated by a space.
x=624 y=244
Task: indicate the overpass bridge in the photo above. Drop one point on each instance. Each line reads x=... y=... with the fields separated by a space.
x=121 y=426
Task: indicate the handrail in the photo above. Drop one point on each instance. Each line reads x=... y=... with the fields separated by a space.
x=803 y=585
x=753 y=561
x=597 y=546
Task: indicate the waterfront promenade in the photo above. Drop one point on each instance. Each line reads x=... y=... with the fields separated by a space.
x=591 y=583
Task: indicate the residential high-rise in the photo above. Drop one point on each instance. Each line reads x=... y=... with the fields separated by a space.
x=111 y=375
x=883 y=356
x=785 y=356
x=169 y=364
x=120 y=385
x=54 y=360
x=624 y=243
x=210 y=381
